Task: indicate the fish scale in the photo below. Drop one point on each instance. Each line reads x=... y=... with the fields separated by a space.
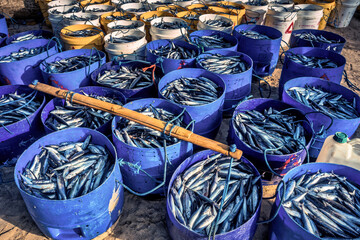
x=213 y=41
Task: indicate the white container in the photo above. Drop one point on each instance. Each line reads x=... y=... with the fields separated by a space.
x=308 y=17
x=284 y=4
x=133 y=8
x=255 y=14
x=93 y=19
x=137 y=48
x=56 y=17
x=341 y=16
x=184 y=3
x=283 y=20
x=60 y=3
x=158 y=3
x=111 y=26
x=159 y=33
x=117 y=3
x=202 y=26
x=102 y=9
x=337 y=149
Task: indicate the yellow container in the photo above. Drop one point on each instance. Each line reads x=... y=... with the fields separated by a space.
x=198 y=7
x=145 y=16
x=299 y=1
x=43 y=4
x=91 y=2
x=96 y=41
x=104 y=22
x=328 y=6
x=173 y=9
x=226 y=13
x=192 y=23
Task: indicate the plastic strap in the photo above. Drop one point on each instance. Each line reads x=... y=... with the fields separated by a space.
x=349 y=83
x=57 y=42
x=317 y=112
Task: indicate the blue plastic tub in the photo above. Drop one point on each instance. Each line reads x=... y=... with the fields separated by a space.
x=292 y=69
x=209 y=116
x=151 y=160
x=318 y=119
x=21 y=134
x=3 y=38
x=138 y=93
x=177 y=231
x=73 y=79
x=238 y=86
x=281 y=164
x=264 y=53
x=96 y=90
x=283 y=227
x=25 y=71
x=3 y=25
x=228 y=37
x=296 y=41
x=168 y=64
x=43 y=33
x=83 y=217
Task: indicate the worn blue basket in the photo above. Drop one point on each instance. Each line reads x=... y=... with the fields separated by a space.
x=3 y=25
x=292 y=69
x=73 y=79
x=296 y=41
x=168 y=64
x=43 y=33
x=228 y=37
x=151 y=160
x=83 y=217
x=25 y=71
x=318 y=119
x=264 y=53
x=238 y=86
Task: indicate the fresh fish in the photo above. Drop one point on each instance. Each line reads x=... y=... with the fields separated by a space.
x=220 y=64
x=253 y=34
x=309 y=36
x=82 y=33
x=74 y=9
x=123 y=39
x=173 y=51
x=218 y=23
x=312 y=62
x=115 y=18
x=133 y=25
x=26 y=37
x=80 y=18
x=213 y=41
x=171 y=25
x=71 y=64
x=22 y=54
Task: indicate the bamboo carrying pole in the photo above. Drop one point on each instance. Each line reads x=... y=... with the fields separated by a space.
x=178 y=132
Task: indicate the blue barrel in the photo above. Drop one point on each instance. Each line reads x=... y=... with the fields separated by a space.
x=168 y=64
x=95 y=90
x=151 y=160
x=238 y=86
x=145 y=92
x=23 y=72
x=16 y=137
x=296 y=41
x=264 y=53
x=83 y=217
x=281 y=164
x=292 y=69
x=318 y=119
x=227 y=37
x=178 y=231
x=73 y=79
x=43 y=33
x=207 y=117
x=3 y=38
x=284 y=227
x=3 y=25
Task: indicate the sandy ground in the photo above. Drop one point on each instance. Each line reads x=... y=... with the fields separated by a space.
x=145 y=218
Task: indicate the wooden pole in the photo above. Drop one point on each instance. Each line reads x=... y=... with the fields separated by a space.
x=178 y=132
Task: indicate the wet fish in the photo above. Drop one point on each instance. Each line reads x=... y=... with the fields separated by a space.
x=81 y=18
x=213 y=41
x=312 y=62
x=218 y=23
x=123 y=39
x=191 y=16
x=171 y=25
x=22 y=54
x=253 y=34
x=74 y=9
x=55 y=174
x=96 y=10
x=82 y=33
x=26 y=37
x=173 y=51
x=321 y=100
x=220 y=64
x=114 y=18
x=192 y=91
x=133 y=25
x=309 y=36
x=257 y=3
x=71 y=64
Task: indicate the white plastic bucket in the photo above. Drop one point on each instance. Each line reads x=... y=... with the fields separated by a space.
x=308 y=17
x=158 y=33
x=280 y=3
x=117 y=3
x=157 y=3
x=342 y=14
x=140 y=25
x=137 y=48
x=93 y=19
x=283 y=20
x=60 y=3
x=56 y=18
x=255 y=14
x=202 y=26
x=132 y=7
x=184 y=3
x=103 y=9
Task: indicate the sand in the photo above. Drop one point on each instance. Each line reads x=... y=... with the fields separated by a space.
x=145 y=218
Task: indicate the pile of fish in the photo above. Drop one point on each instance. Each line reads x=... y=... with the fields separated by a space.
x=141 y=9
x=125 y=78
x=26 y=37
x=82 y=33
x=81 y=18
x=171 y=25
x=192 y=91
x=217 y=23
x=22 y=54
x=173 y=51
x=191 y=17
x=214 y=41
x=71 y=63
x=74 y=9
x=311 y=37
x=325 y=204
x=312 y=62
x=15 y=107
x=123 y=39
x=196 y=195
x=220 y=64
x=137 y=135
x=133 y=25
x=318 y=99
x=67 y=170
x=228 y=6
x=74 y=115
x=270 y=130
x=253 y=34
x=257 y=3
x=199 y=9
x=151 y=18
x=114 y=18
x=97 y=10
